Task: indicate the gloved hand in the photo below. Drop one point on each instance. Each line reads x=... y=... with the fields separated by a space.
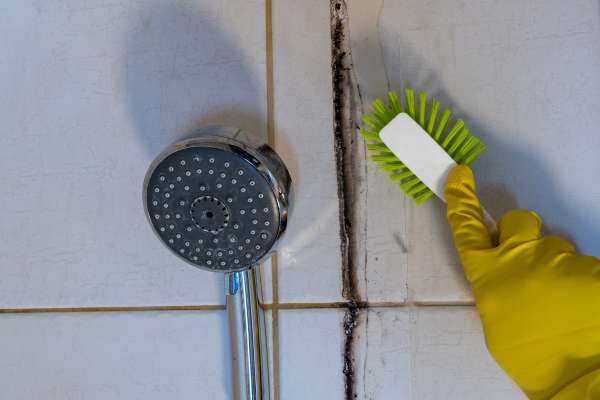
x=539 y=301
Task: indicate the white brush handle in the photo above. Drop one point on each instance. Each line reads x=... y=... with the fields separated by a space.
x=423 y=156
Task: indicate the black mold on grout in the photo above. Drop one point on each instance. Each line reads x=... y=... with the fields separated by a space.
x=346 y=173
x=351 y=319
x=343 y=140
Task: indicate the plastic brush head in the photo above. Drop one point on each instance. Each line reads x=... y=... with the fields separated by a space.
x=213 y=205
x=455 y=138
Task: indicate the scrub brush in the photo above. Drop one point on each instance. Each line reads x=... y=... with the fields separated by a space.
x=417 y=149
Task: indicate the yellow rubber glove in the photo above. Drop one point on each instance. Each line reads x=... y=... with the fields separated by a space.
x=539 y=301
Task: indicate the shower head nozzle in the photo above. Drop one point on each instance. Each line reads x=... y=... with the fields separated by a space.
x=218 y=203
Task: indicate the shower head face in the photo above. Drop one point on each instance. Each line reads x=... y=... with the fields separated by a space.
x=214 y=204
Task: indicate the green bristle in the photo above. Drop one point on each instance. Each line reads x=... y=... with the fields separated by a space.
x=459 y=143
x=422 y=105
x=455 y=129
x=382 y=114
x=435 y=105
x=418 y=188
x=395 y=106
x=464 y=149
x=372 y=122
x=390 y=166
x=379 y=106
x=442 y=126
x=409 y=183
x=370 y=135
x=398 y=176
x=378 y=147
x=410 y=102
x=473 y=154
x=421 y=197
x=384 y=158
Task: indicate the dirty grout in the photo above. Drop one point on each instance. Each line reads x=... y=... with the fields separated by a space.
x=344 y=149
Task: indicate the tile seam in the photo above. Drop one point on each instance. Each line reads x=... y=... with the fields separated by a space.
x=344 y=152
x=219 y=307
x=270 y=90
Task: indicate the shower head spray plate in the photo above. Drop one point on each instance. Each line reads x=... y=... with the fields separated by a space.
x=216 y=203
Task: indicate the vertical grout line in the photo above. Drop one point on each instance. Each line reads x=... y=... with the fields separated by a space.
x=275 y=376
x=275 y=328
x=345 y=152
x=270 y=75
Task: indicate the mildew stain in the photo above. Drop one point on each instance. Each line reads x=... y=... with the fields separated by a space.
x=346 y=172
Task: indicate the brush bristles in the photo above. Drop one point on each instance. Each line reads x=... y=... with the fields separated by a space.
x=458 y=141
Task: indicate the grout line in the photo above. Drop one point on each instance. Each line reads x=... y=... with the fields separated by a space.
x=270 y=75
x=438 y=303
x=274 y=307
x=345 y=152
x=367 y=305
x=270 y=88
x=304 y=306
x=36 y=310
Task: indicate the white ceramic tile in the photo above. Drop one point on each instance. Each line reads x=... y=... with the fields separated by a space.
x=434 y=271
x=430 y=354
x=388 y=247
x=310 y=254
x=383 y=359
x=93 y=91
x=383 y=277
x=409 y=253
x=523 y=76
x=311 y=354
x=178 y=355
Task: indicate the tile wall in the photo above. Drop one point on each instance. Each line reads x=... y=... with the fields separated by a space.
x=92 y=306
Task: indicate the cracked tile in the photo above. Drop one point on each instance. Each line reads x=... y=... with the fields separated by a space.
x=429 y=354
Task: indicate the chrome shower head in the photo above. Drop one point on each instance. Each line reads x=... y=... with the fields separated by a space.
x=220 y=201
x=217 y=202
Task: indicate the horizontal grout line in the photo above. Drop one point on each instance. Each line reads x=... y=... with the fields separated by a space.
x=303 y=306
x=220 y=307
x=363 y=305
x=34 y=310
x=438 y=303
